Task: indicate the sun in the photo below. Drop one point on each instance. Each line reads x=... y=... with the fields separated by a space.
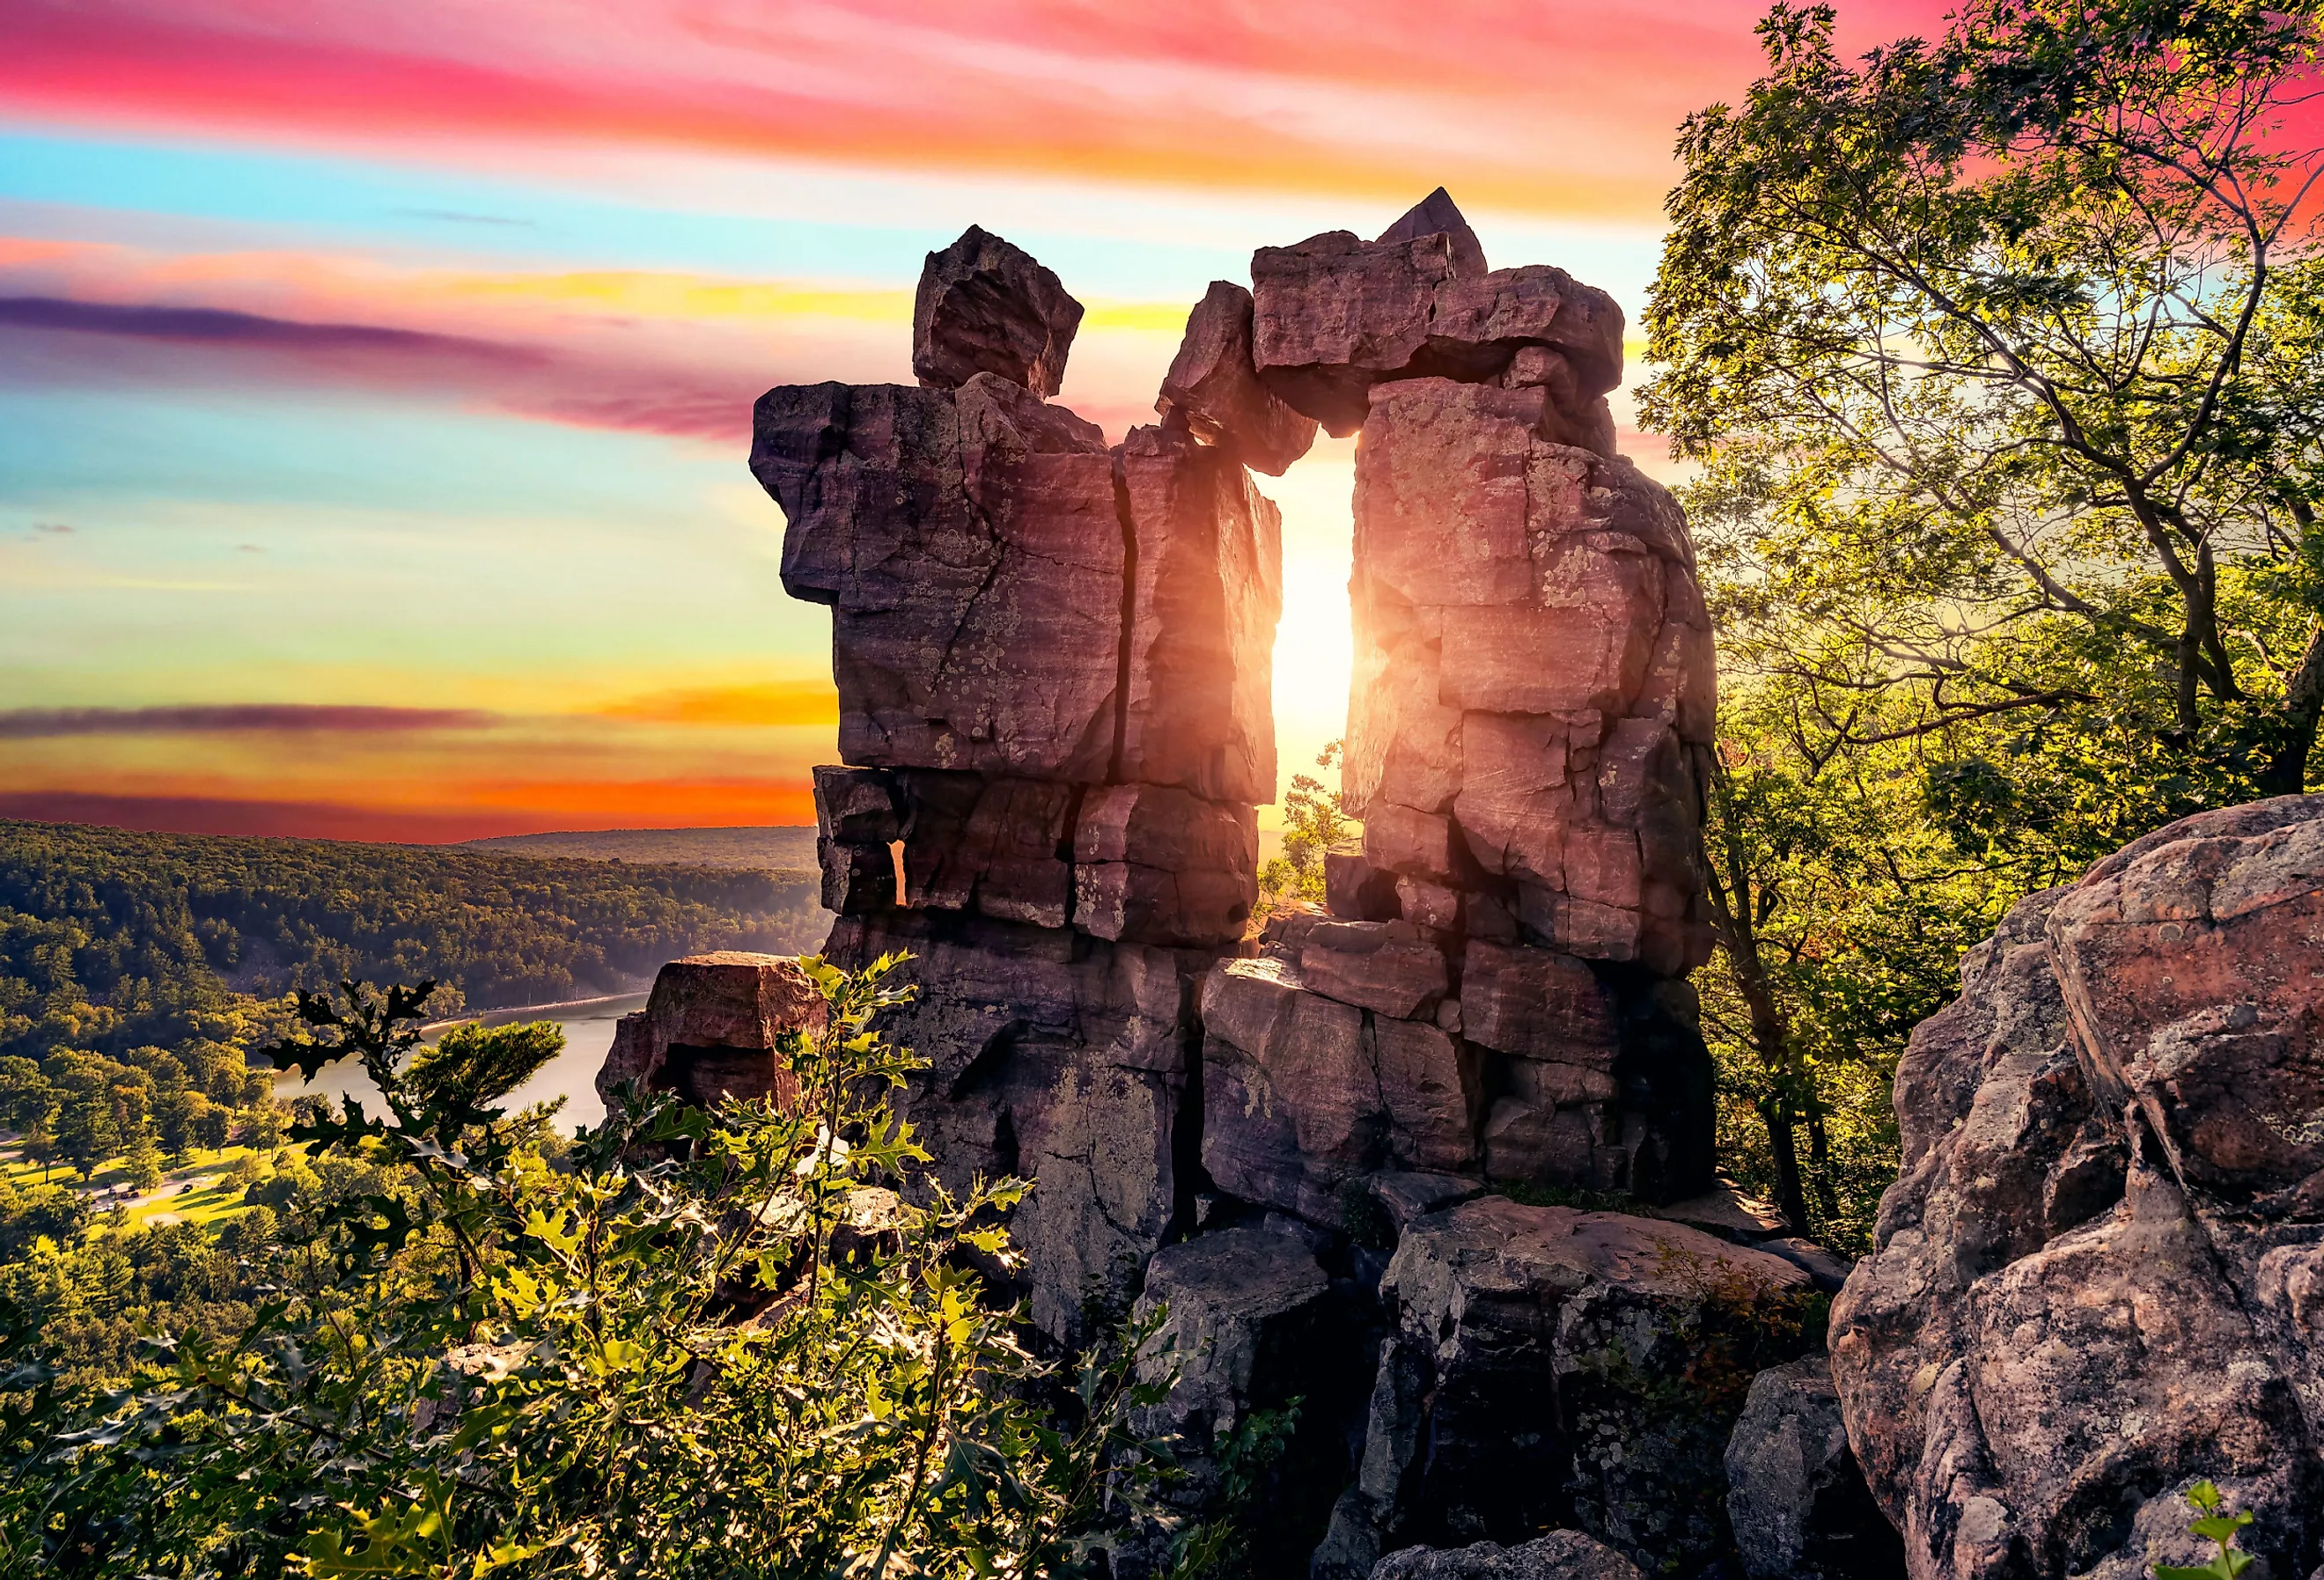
x=1313 y=648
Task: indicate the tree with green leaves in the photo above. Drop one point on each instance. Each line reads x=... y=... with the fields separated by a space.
x=1842 y=909
x=26 y=1098
x=263 y=1124
x=2007 y=348
x=472 y=1063
x=208 y=1128
x=747 y=1342
x=87 y=1133
x=1998 y=354
x=141 y=1158
x=1315 y=820
x=174 y=1108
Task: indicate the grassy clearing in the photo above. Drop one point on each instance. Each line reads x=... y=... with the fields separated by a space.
x=212 y=1201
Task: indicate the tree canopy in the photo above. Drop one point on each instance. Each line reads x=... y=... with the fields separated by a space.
x=1997 y=355
x=2006 y=346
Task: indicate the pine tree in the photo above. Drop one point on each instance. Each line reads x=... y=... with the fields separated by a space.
x=144 y=1158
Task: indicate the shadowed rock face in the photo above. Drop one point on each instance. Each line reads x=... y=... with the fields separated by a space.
x=1522 y=1384
x=1796 y=1498
x=1561 y=1555
x=1213 y=391
x=2094 y=1282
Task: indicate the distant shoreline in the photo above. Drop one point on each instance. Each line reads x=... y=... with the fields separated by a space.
x=604 y=998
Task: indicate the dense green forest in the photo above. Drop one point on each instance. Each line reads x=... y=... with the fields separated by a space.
x=112 y=940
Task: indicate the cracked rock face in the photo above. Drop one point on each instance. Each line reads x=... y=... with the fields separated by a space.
x=2092 y=1284
x=1334 y=315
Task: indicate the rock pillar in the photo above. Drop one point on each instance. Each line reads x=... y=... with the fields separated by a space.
x=1498 y=987
x=1053 y=658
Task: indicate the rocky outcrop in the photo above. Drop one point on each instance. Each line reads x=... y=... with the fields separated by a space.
x=1561 y=1555
x=1213 y=390
x=1795 y=1497
x=714 y=1028
x=984 y=306
x=1248 y=1321
x=1553 y=1367
x=2094 y=1282
x=1053 y=661
x=1532 y=702
x=1335 y=315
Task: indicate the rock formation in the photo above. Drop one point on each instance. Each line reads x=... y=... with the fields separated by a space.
x=1795 y=1496
x=713 y=1028
x=1561 y=1555
x=1054 y=665
x=1053 y=657
x=1526 y=1382
x=2098 y=1279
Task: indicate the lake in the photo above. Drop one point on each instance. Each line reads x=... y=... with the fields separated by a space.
x=572 y=1074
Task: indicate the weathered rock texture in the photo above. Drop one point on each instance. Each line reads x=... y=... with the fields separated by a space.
x=1249 y=1322
x=984 y=306
x=2098 y=1279
x=1053 y=658
x=713 y=1028
x=1561 y=1555
x=1795 y=1497
x=1529 y=1380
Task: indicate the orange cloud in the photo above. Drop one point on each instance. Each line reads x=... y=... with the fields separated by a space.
x=773 y=702
x=457 y=811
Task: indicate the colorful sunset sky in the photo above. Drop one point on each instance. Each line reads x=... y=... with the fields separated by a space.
x=375 y=377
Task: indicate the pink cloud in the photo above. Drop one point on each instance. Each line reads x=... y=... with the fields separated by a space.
x=1549 y=107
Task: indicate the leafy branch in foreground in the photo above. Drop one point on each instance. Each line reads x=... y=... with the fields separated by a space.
x=743 y=1341
x=2213 y=1527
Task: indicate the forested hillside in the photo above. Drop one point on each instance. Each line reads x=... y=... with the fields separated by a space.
x=111 y=940
x=773 y=848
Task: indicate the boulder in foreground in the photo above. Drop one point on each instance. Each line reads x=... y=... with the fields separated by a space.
x=2101 y=1275
x=1561 y=1555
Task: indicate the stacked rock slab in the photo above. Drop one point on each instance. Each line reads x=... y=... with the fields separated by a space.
x=1053 y=658
x=1497 y=989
